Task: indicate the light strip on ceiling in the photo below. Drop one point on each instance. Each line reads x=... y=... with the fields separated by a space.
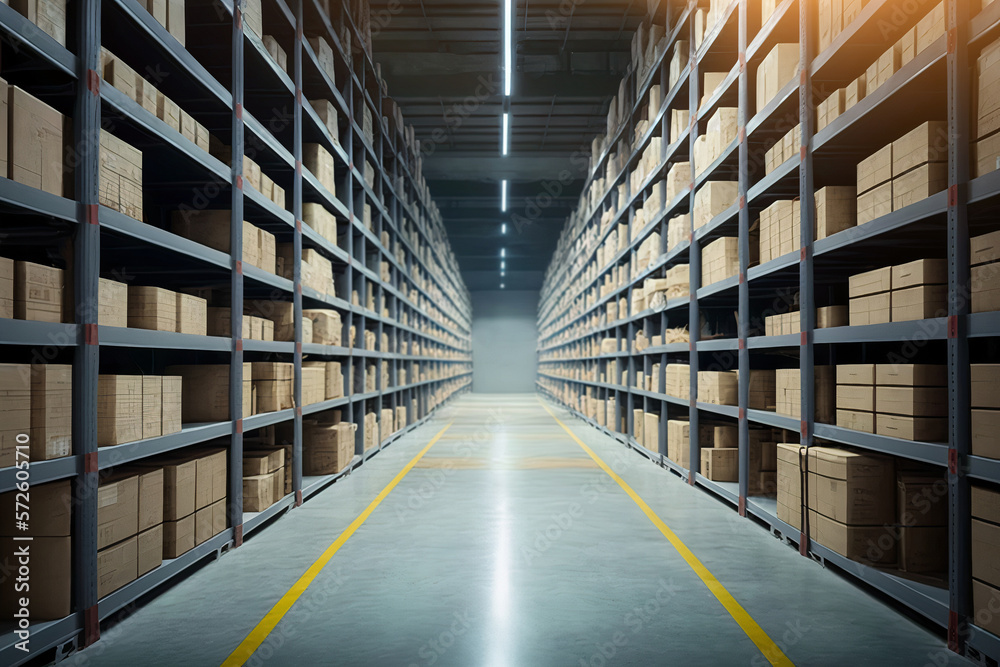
x=506 y=132
x=503 y=197
x=508 y=56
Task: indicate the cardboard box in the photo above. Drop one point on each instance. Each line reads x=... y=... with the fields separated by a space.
x=855 y=91
x=327 y=326
x=859 y=543
x=985 y=602
x=832 y=316
x=6 y=285
x=856 y=398
x=851 y=487
x=986 y=288
x=985 y=155
x=51 y=411
x=191 y=315
x=112 y=303
x=718 y=387
x=930 y=27
x=149 y=547
x=119 y=409
x=205 y=392
x=117 y=510
x=172 y=405
x=327 y=113
x=856 y=421
x=836 y=210
x=875 y=203
x=912 y=375
x=679 y=442
x=15 y=409
x=923 y=429
x=856 y=374
x=258 y=492
x=776 y=70
x=152 y=308
x=923 y=549
x=178 y=536
x=175 y=20
x=912 y=401
x=117 y=565
x=720 y=465
x=51 y=516
x=870 y=282
x=919 y=184
x=35 y=143
x=328 y=448
x=986 y=552
x=319 y=161
x=918 y=303
x=38 y=292
x=874 y=309
x=925 y=143
x=47 y=15
x=152 y=406
x=919 y=273
x=986 y=433
x=273 y=385
x=875 y=170
x=121 y=174
x=51 y=579
x=922 y=499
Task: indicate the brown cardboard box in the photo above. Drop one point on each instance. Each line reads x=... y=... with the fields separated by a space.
x=178 y=488
x=48 y=15
x=117 y=565
x=925 y=143
x=319 y=161
x=51 y=411
x=50 y=511
x=859 y=543
x=327 y=113
x=327 y=326
x=923 y=429
x=152 y=406
x=920 y=273
x=856 y=421
x=918 y=303
x=836 y=209
x=273 y=384
x=719 y=387
x=985 y=603
x=168 y=111
x=912 y=375
x=985 y=155
x=720 y=465
x=6 y=284
x=258 y=492
x=986 y=288
x=762 y=389
x=855 y=398
x=117 y=510
x=35 y=143
x=38 y=292
x=313 y=385
x=870 y=282
x=875 y=170
x=851 y=487
x=679 y=442
x=918 y=184
x=856 y=374
x=923 y=549
x=988 y=90
x=178 y=536
x=112 y=303
x=986 y=386
x=855 y=91
x=986 y=504
x=175 y=20
x=119 y=409
x=875 y=203
x=986 y=433
x=152 y=308
x=149 y=547
x=51 y=579
x=150 y=498
x=874 y=309
x=205 y=392
x=15 y=409
x=121 y=174
x=912 y=401
x=832 y=316
x=172 y=405
x=922 y=499
x=930 y=27
x=986 y=552
x=191 y=315
x=776 y=70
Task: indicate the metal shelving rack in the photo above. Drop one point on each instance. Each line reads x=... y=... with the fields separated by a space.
x=233 y=87
x=564 y=325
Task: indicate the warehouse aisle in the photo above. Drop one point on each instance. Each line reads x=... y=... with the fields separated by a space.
x=506 y=544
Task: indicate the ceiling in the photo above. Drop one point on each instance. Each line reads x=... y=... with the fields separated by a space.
x=442 y=61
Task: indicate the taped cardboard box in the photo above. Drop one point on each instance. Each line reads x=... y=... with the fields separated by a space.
x=51 y=411
x=152 y=308
x=718 y=387
x=911 y=375
x=258 y=492
x=121 y=176
x=776 y=70
x=855 y=398
x=328 y=448
x=38 y=292
x=720 y=465
x=919 y=184
x=863 y=374
x=205 y=392
x=117 y=510
x=112 y=298
x=919 y=303
x=906 y=427
x=149 y=547
x=859 y=543
x=119 y=409
x=36 y=143
x=178 y=536
x=191 y=315
x=856 y=420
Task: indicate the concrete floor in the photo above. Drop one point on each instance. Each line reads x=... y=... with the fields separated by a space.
x=507 y=546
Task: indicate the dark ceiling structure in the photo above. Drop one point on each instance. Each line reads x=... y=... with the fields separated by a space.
x=443 y=63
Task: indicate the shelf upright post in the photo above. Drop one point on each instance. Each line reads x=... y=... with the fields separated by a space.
x=297 y=252
x=694 y=280
x=744 y=256
x=86 y=361
x=959 y=381
x=236 y=302
x=807 y=306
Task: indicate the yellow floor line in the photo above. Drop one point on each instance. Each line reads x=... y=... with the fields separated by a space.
x=757 y=635
x=257 y=636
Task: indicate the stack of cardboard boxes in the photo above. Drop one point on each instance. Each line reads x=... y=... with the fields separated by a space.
x=129 y=527
x=913 y=291
x=788 y=393
x=906 y=171
x=211 y=228
x=784 y=149
x=907 y=401
x=263 y=478
x=120 y=176
x=272 y=385
x=252 y=327
x=719 y=134
x=718 y=387
x=775 y=71
x=720 y=260
x=986 y=146
x=206 y=392
x=985 y=260
x=170 y=14
x=713 y=198
x=986 y=410
x=986 y=557
x=780 y=225
x=327 y=445
x=158 y=309
x=719 y=444
x=281 y=315
x=137 y=407
x=835 y=16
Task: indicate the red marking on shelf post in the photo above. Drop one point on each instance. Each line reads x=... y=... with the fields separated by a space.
x=238 y=535
x=298 y=410
x=239 y=426
x=90 y=462
x=743 y=413
x=239 y=111
x=802 y=254
x=743 y=203
x=802 y=76
x=93 y=214
x=953 y=461
x=953 y=196
x=953 y=326
x=298 y=225
x=803 y=338
x=93 y=82
x=743 y=277
x=802 y=153
x=298 y=167
x=743 y=506
x=743 y=59
x=90 y=334
x=239 y=344
x=742 y=136
x=803 y=544
x=804 y=428
x=298 y=348
x=298 y=96
x=954 y=641
x=298 y=498
x=239 y=267
x=91 y=626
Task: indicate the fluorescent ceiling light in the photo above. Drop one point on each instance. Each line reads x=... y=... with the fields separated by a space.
x=508 y=28
x=503 y=228
x=503 y=252
x=502 y=286
x=503 y=265
x=506 y=132
x=503 y=196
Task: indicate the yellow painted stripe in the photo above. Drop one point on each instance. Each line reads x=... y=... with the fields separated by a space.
x=257 y=636
x=739 y=614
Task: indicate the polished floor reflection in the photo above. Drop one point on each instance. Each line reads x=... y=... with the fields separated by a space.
x=507 y=545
